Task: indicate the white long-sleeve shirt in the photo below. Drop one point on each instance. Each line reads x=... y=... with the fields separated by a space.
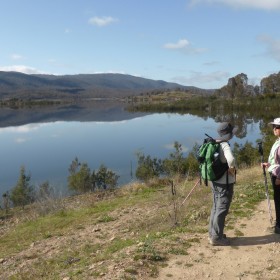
x=226 y=156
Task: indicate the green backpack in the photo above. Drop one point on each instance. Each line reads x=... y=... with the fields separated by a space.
x=210 y=166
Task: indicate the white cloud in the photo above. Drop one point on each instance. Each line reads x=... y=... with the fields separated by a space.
x=22 y=69
x=272 y=45
x=183 y=45
x=255 y=4
x=179 y=45
x=102 y=21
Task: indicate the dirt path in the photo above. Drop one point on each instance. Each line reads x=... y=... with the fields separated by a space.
x=255 y=255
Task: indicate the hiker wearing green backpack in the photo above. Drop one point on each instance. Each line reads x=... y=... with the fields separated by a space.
x=222 y=188
x=273 y=167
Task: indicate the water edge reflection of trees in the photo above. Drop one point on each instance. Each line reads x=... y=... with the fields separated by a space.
x=241 y=112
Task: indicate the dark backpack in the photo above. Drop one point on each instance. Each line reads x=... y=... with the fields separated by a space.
x=211 y=167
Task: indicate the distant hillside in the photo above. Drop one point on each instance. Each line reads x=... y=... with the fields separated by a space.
x=23 y=86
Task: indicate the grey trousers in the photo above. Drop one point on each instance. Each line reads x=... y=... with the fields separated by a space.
x=222 y=197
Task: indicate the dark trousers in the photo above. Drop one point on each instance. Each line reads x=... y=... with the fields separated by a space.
x=222 y=197
x=276 y=197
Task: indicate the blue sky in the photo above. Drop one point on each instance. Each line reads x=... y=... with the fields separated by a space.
x=198 y=43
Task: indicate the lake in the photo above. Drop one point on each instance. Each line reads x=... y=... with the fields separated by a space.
x=45 y=141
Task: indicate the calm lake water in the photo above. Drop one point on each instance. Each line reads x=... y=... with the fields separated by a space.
x=47 y=147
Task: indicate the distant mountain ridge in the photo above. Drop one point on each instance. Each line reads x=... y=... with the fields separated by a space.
x=39 y=86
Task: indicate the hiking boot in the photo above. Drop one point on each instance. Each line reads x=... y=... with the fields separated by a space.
x=277 y=229
x=210 y=238
x=220 y=242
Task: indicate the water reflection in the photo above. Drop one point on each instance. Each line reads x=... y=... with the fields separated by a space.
x=47 y=148
x=98 y=110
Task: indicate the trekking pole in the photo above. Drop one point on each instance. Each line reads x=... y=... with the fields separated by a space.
x=265 y=182
x=191 y=191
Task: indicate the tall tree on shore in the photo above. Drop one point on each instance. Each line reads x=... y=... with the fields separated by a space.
x=23 y=193
x=80 y=177
x=82 y=180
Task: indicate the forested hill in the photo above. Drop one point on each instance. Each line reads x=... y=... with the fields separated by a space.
x=24 y=86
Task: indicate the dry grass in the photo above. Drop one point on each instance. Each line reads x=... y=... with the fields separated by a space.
x=135 y=224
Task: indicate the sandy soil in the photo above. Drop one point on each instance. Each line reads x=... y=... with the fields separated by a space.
x=255 y=255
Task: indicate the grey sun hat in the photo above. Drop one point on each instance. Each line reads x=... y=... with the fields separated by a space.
x=276 y=122
x=226 y=131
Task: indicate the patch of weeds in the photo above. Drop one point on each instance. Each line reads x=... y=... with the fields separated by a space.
x=118 y=244
x=96 y=274
x=47 y=235
x=194 y=240
x=179 y=246
x=90 y=249
x=239 y=213
x=156 y=257
x=271 y=267
x=178 y=251
x=76 y=272
x=80 y=227
x=255 y=273
x=175 y=238
x=107 y=250
x=147 y=192
x=194 y=228
x=239 y=233
x=71 y=260
x=105 y=219
x=154 y=271
x=62 y=213
x=148 y=251
x=230 y=226
x=128 y=277
x=161 y=234
x=169 y=275
x=188 y=264
x=270 y=250
x=131 y=270
x=197 y=215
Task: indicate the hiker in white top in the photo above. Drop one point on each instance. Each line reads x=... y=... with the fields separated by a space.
x=222 y=189
x=227 y=156
x=273 y=167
